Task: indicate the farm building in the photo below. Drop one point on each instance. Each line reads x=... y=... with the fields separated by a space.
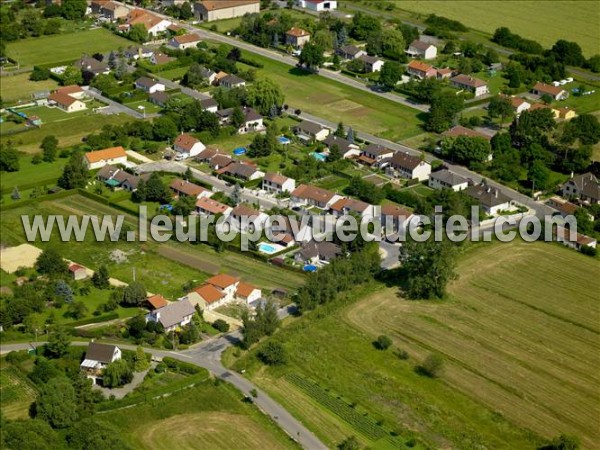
x=209 y=10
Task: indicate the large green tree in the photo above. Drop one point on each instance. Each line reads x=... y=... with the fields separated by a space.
x=50 y=262
x=264 y=94
x=444 y=108
x=57 y=403
x=117 y=373
x=75 y=174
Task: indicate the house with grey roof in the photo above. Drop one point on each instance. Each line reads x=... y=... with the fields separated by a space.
x=350 y=52
x=174 y=315
x=491 y=199
x=313 y=252
x=446 y=179
x=346 y=148
x=583 y=187
x=97 y=357
x=310 y=131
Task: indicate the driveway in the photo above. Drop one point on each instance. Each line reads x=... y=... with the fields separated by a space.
x=122 y=391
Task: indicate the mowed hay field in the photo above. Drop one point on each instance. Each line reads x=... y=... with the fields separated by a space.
x=64 y=47
x=520 y=334
x=209 y=416
x=544 y=22
x=16 y=392
x=20 y=87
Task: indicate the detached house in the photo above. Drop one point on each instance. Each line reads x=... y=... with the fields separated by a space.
x=222 y=289
x=421 y=49
x=174 y=315
x=253 y=121
x=110 y=10
x=459 y=130
x=583 y=187
x=372 y=63
x=209 y=207
x=66 y=102
x=244 y=218
x=318 y=5
x=159 y=58
x=468 y=83
x=209 y=104
x=243 y=171
x=77 y=272
x=276 y=183
x=92 y=66
x=374 y=154
x=577 y=241
x=313 y=196
x=491 y=199
x=159 y=98
x=421 y=70
x=518 y=104
x=346 y=148
x=350 y=52
x=156 y=302
x=232 y=81
x=97 y=357
x=445 y=179
x=184 y=188
x=557 y=93
x=318 y=252
x=184 y=41
x=309 y=131
x=395 y=219
x=149 y=85
x=297 y=37
x=345 y=206
x=100 y=158
x=188 y=145
x=154 y=24
x=408 y=166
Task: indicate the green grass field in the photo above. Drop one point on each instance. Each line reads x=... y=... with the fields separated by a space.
x=20 y=87
x=16 y=392
x=573 y=20
x=173 y=74
x=519 y=334
x=43 y=173
x=210 y=416
x=335 y=101
x=64 y=47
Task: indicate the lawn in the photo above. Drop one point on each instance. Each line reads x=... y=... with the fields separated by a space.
x=149 y=108
x=43 y=173
x=68 y=128
x=519 y=335
x=338 y=102
x=574 y=20
x=18 y=88
x=64 y=47
x=173 y=74
x=210 y=415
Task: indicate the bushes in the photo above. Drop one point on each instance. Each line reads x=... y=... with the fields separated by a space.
x=221 y=325
x=432 y=366
x=382 y=342
x=181 y=366
x=273 y=354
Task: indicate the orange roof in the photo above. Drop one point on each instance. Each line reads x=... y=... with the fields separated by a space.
x=72 y=89
x=62 y=99
x=220 y=75
x=140 y=16
x=297 y=32
x=245 y=289
x=75 y=267
x=395 y=211
x=209 y=293
x=157 y=301
x=420 y=66
x=107 y=153
x=212 y=206
x=548 y=89
x=222 y=281
x=185 y=141
x=187 y=38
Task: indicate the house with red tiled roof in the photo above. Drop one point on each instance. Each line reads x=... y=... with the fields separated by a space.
x=207 y=297
x=556 y=92
x=420 y=69
x=184 y=188
x=188 y=145
x=184 y=41
x=345 y=206
x=209 y=207
x=247 y=293
x=225 y=283
x=154 y=24
x=66 y=102
x=73 y=90
x=244 y=218
x=156 y=302
x=78 y=272
x=307 y=195
x=297 y=37
x=395 y=219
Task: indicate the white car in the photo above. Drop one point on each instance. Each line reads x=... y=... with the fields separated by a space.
x=563 y=82
x=569 y=80
x=180 y=157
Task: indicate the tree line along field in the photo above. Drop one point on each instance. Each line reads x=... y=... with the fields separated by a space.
x=545 y=22
x=519 y=336
x=63 y=47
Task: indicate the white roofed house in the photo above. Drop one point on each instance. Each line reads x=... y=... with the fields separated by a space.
x=188 y=145
x=346 y=148
x=174 y=315
x=277 y=184
x=445 y=179
x=318 y=5
x=403 y=165
x=421 y=49
x=97 y=357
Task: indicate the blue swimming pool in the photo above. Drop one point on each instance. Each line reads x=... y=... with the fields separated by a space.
x=310 y=268
x=319 y=156
x=266 y=248
x=239 y=151
x=283 y=140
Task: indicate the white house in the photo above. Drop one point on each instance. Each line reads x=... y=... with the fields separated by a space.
x=372 y=63
x=66 y=102
x=577 y=241
x=468 y=83
x=244 y=218
x=184 y=41
x=276 y=183
x=345 y=206
x=421 y=49
x=209 y=10
x=174 y=315
x=555 y=92
x=408 y=166
x=77 y=272
x=154 y=24
x=445 y=179
x=247 y=293
x=490 y=198
x=318 y=5
x=185 y=188
x=346 y=148
x=100 y=158
x=350 y=52
x=209 y=207
x=310 y=131
x=97 y=357
x=242 y=170
x=374 y=154
x=149 y=85
x=188 y=145
x=518 y=105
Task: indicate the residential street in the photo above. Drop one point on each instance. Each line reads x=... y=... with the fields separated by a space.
x=207 y=354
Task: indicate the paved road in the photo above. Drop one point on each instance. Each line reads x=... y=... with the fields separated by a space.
x=208 y=355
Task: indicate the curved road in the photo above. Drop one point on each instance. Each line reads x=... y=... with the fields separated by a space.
x=207 y=354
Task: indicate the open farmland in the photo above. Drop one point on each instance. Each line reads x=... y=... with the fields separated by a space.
x=336 y=101
x=63 y=47
x=210 y=416
x=520 y=334
x=543 y=22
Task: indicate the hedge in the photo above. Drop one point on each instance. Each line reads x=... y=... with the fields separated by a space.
x=182 y=366
x=31 y=201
